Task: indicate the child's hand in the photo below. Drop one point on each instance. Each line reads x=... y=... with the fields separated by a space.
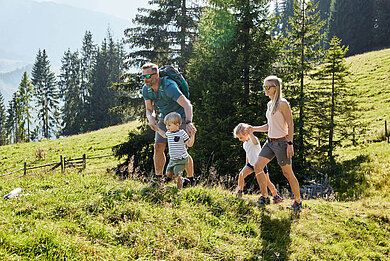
x=250 y=129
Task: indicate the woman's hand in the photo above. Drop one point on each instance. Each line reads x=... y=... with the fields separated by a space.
x=290 y=151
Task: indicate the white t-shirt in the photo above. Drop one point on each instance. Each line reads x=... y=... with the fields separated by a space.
x=176 y=144
x=252 y=151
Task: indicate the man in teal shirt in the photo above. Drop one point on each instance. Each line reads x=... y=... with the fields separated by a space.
x=166 y=95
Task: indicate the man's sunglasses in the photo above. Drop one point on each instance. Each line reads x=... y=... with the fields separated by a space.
x=147 y=76
x=268 y=87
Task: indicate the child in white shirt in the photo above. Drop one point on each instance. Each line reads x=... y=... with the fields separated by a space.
x=252 y=148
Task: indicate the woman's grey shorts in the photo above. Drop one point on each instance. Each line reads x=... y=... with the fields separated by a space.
x=276 y=148
x=161 y=125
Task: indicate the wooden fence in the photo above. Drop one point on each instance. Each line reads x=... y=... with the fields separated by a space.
x=64 y=163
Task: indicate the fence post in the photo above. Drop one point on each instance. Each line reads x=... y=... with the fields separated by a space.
x=386 y=132
x=25 y=168
x=84 y=161
x=64 y=163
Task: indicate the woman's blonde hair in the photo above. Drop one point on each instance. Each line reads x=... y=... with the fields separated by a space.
x=239 y=129
x=174 y=118
x=277 y=83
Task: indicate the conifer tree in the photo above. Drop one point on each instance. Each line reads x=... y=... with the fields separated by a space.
x=3 y=119
x=233 y=55
x=15 y=123
x=334 y=109
x=87 y=63
x=107 y=71
x=304 y=54
x=46 y=94
x=165 y=33
x=71 y=93
x=25 y=94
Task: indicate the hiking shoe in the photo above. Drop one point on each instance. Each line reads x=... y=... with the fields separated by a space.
x=277 y=199
x=263 y=201
x=239 y=194
x=186 y=182
x=295 y=206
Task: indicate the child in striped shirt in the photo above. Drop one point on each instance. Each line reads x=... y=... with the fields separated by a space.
x=178 y=141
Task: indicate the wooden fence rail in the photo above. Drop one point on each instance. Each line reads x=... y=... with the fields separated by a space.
x=80 y=163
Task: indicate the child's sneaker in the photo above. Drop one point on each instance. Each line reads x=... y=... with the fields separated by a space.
x=239 y=194
x=295 y=206
x=277 y=199
x=186 y=182
x=263 y=201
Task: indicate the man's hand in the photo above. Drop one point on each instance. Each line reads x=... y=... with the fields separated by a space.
x=191 y=130
x=153 y=124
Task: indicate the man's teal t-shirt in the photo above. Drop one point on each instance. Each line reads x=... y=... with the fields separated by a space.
x=166 y=102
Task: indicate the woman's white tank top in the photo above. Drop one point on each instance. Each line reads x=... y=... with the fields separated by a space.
x=277 y=125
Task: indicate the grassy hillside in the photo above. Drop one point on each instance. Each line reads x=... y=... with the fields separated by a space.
x=97 y=143
x=97 y=216
x=370 y=159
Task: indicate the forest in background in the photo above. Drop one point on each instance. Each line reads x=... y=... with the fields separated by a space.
x=225 y=49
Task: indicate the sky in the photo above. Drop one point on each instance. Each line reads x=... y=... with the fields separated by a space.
x=125 y=9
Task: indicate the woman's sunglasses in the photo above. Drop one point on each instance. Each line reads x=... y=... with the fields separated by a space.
x=147 y=76
x=268 y=87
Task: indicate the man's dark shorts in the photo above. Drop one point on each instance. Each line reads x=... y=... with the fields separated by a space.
x=276 y=148
x=161 y=125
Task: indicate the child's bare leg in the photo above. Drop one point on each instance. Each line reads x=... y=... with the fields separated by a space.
x=245 y=172
x=271 y=186
x=179 y=181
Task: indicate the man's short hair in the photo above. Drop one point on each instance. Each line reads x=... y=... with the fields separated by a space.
x=152 y=66
x=174 y=118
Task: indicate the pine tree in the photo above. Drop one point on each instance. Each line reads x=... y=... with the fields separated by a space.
x=3 y=119
x=165 y=34
x=233 y=55
x=15 y=123
x=87 y=63
x=72 y=94
x=335 y=108
x=106 y=72
x=25 y=93
x=304 y=54
x=46 y=94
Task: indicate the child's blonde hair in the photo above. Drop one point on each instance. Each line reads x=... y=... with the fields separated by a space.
x=174 y=118
x=239 y=129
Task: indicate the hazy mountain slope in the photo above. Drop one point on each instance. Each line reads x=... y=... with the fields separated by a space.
x=28 y=26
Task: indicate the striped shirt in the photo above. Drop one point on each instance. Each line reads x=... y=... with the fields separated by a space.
x=176 y=144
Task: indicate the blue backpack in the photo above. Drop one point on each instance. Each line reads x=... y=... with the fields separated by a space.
x=170 y=72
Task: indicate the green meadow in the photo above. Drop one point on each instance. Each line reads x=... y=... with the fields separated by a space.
x=94 y=215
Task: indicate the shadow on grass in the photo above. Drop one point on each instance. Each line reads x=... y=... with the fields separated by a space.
x=348 y=178
x=275 y=234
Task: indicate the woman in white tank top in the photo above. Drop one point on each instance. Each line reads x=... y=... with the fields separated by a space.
x=280 y=128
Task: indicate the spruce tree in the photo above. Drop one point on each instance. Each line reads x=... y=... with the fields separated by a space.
x=87 y=63
x=304 y=53
x=335 y=108
x=165 y=33
x=15 y=123
x=3 y=120
x=25 y=94
x=46 y=94
x=71 y=93
x=233 y=55
x=107 y=71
